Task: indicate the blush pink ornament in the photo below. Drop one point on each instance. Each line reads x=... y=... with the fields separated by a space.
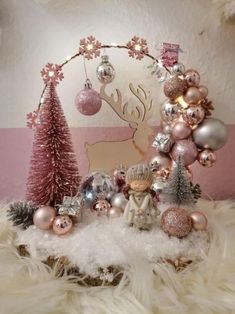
x=199 y=220
x=187 y=149
x=203 y=90
x=176 y=222
x=43 y=217
x=181 y=130
x=88 y=101
x=192 y=95
x=62 y=225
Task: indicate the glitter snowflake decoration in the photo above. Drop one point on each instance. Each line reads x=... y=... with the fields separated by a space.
x=137 y=47
x=52 y=73
x=32 y=119
x=90 y=47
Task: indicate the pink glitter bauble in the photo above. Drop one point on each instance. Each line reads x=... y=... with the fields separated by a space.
x=181 y=130
x=187 y=150
x=62 y=225
x=176 y=222
x=199 y=220
x=88 y=101
x=43 y=217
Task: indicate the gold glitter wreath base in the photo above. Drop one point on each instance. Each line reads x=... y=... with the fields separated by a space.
x=62 y=266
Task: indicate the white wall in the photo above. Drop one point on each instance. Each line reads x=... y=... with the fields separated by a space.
x=35 y=32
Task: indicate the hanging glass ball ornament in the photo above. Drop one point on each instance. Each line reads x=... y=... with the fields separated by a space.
x=88 y=101
x=105 y=71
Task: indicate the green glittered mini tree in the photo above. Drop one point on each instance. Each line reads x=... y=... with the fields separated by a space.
x=179 y=188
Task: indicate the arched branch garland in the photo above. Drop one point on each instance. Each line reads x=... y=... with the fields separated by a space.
x=90 y=48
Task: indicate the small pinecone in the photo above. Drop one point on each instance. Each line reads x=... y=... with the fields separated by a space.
x=21 y=213
x=196 y=190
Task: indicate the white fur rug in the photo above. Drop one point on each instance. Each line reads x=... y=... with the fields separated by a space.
x=28 y=286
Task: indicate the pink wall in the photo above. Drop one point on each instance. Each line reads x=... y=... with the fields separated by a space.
x=16 y=143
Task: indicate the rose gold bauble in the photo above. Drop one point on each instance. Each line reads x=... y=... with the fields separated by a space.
x=88 y=101
x=192 y=95
x=187 y=150
x=102 y=207
x=43 y=217
x=199 y=220
x=203 y=90
x=192 y=77
x=62 y=225
x=207 y=158
x=174 y=87
x=193 y=115
x=176 y=222
x=159 y=162
x=115 y=212
x=181 y=130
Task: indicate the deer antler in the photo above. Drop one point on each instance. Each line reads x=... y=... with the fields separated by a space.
x=145 y=99
x=116 y=105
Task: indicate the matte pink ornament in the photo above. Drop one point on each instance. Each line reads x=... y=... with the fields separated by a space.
x=62 y=225
x=199 y=220
x=88 y=101
x=181 y=130
x=115 y=212
x=192 y=95
x=203 y=90
x=187 y=150
x=43 y=217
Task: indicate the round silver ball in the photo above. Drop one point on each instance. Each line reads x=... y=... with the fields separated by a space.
x=178 y=69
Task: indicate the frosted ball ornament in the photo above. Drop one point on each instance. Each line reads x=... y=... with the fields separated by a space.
x=187 y=149
x=203 y=90
x=88 y=101
x=181 y=130
x=119 y=201
x=192 y=77
x=43 y=217
x=176 y=222
x=210 y=134
x=105 y=71
x=62 y=225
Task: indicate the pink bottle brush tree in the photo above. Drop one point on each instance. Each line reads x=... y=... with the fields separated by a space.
x=53 y=169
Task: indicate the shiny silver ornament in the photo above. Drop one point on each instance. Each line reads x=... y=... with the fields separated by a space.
x=159 y=162
x=170 y=110
x=119 y=201
x=211 y=133
x=105 y=71
x=163 y=142
x=158 y=186
x=178 y=69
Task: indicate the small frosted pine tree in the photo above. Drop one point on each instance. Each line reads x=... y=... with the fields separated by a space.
x=53 y=173
x=179 y=189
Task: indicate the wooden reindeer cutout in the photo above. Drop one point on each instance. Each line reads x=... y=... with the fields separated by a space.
x=107 y=155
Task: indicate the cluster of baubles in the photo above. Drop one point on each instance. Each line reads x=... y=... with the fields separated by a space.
x=186 y=128
x=88 y=101
x=178 y=222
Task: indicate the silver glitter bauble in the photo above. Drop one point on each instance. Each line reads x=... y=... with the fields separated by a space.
x=211 y=133
x=178 y=69
x=170 y=110
x=163 y=142
x=119 y=201
x=105 y=71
